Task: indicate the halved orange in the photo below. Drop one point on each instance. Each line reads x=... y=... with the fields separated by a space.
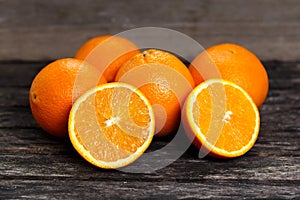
x=111 y=125
x=221 y=119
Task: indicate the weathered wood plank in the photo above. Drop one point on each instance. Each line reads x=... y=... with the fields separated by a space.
x=91 y=11
x=14 y=74
x=14 y=97
x=18 y=117
x=42 y=30
x=123 y=189
x=68 y=165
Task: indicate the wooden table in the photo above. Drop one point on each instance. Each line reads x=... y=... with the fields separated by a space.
x=35 y=165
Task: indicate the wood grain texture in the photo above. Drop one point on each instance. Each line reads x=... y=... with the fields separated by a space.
x=47 y=30
x=35 y=165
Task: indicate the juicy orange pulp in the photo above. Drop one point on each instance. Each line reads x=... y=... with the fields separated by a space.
x=222 y=117
x=111 y=125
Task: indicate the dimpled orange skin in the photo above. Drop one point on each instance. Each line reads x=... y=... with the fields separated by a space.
x=107 y=53
x=236 y=64
x=51 y=92
x=156 y=94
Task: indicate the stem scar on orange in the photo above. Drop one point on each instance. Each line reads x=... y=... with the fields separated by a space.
x=233 y=63
x=54 y=89
x=111 y=125
x=221 y=119
x=107 y=53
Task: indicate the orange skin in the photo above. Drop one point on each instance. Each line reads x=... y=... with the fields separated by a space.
x=107 y=53
x=53 y=92
x=162 y=95
x=233 y=63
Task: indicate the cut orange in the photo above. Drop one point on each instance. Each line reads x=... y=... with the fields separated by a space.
x=221 y=119
x=111 y=125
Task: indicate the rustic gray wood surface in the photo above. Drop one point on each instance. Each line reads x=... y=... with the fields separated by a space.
x=35 y=165
x=35 y=30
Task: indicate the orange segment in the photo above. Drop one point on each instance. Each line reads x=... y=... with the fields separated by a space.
x=111 y=125
x=222 y=118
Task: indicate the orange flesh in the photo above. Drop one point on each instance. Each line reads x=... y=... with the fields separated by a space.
x=237 y=124
x=105 y=132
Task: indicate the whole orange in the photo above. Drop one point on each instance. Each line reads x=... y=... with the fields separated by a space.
x=164 y=80
x=233 y=63
x=55 y=88
x=107 y=53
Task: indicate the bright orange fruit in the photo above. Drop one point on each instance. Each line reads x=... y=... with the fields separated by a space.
x=236 y=64
x=107 y=53
x=54 y=89
x=164 y=80
x=221 y=118
x=111 y=125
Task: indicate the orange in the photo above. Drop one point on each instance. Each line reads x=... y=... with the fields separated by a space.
x=221 y=118
x=107 y=53
x=236 y=64
x=111 y=125
x=164 y=80
x=55 y=87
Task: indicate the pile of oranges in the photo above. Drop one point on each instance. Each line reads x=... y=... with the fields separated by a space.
x=111 y=99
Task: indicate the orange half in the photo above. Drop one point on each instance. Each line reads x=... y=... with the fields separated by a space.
x=221 y=119
x=111 y=125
